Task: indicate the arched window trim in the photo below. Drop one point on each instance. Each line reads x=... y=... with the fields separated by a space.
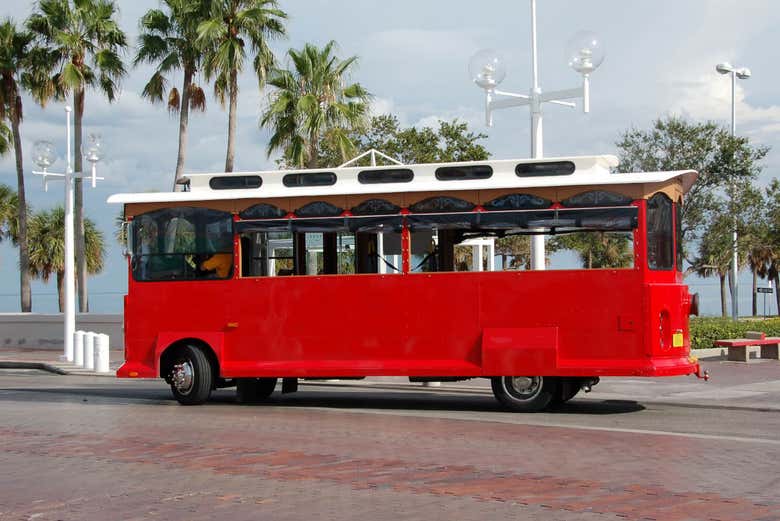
x=375 y=206
x=442 y=204
x=517 y=201
x=319 y=209
x=262 y=211
x=594 y=198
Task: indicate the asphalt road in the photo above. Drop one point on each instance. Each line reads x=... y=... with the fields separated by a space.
x=98 y=448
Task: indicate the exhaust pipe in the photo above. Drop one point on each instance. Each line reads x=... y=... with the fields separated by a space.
x=588 y=383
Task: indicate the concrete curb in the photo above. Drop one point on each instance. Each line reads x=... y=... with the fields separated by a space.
x=40 y=366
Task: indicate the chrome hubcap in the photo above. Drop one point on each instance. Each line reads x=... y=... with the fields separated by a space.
x=524 y=387
x=181 y=377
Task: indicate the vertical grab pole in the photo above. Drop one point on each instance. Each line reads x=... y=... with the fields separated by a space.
x=406 y=249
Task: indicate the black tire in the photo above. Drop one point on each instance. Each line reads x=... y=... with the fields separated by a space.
x=192 y=376
x=536 y=393
x=567 y=389
x=254 y=390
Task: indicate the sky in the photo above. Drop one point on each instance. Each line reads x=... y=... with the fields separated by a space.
x=413 y=57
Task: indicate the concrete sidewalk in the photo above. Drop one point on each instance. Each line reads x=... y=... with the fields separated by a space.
x=754 y=385
x=52 y=361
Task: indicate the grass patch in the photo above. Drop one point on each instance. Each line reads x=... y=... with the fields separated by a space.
x=705 y=330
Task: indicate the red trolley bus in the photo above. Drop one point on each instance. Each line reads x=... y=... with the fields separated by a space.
x=245 y=279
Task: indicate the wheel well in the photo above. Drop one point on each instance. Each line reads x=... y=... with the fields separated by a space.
x=168 y=356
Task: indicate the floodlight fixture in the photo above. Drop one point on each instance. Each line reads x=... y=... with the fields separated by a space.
x=487 y=69
x=44 y=154
x=585 y=52
x=724 y=68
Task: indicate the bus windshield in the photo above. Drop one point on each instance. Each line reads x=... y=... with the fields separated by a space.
x=182 y=244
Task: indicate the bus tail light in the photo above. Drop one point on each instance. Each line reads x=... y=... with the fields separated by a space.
x=664 y=330
x=694 y=305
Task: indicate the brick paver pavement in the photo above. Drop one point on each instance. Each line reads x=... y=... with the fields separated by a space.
x=115 y=458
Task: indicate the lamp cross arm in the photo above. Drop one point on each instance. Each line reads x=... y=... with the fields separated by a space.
x=515 y=95
x=507 y=99
x=555 y=96
x=46 y=173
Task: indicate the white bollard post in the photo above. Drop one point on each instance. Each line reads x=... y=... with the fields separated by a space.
x=78 y=348
x=101 y=353
x=89 y=351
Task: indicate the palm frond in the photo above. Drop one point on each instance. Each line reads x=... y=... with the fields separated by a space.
x=174 y=101
x=197 y=98
x=155 y=88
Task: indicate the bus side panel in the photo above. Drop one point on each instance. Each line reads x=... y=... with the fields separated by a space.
x=433 y=324
x=167 y=311
x=597 y=313
x=356 y=325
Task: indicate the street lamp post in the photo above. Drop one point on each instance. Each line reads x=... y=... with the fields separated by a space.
x=488 y=70
x=44 y=156
x=741 y=73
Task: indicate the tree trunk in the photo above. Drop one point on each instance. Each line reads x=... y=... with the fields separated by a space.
x=723 y=310
x=60 y=290
x=78 y=207
x=231 y=144
x=755 y=293
x=24 y=257
x=313 y=144
x=777 y=293
x=184 y=118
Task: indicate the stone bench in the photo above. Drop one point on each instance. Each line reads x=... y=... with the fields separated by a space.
x=755 y=342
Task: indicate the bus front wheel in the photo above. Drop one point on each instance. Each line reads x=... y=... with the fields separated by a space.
x=524 y=393
x=254 y=390
x=192 y=377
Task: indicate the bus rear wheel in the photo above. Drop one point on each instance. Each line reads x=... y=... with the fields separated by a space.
x=254 y=390
x=192 y=376
x=524 y=393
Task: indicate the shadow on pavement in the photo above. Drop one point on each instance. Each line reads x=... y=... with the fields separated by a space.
x=438 y=402
x=332 y=399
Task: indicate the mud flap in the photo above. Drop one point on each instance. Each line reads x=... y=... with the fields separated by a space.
x=289 y=385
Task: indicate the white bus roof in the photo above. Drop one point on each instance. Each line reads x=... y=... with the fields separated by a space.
x=588 y=170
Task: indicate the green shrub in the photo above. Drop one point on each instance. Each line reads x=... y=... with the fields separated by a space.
x=705 y=330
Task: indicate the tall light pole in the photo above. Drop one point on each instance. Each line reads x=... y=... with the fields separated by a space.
x=44 y=155
x=741 y=73
x=487 y=69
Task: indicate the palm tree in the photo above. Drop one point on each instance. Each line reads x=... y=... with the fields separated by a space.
x=5 y=138
x=83 y=42
x=47 y=247
x=760 y=257
x=168 y=39
x=313 y=102
x=714 y=255
x=14 y=60
x=9 y=212
x=233 y=28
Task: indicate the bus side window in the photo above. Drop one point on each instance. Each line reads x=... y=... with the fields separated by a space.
x=678 y=240
x=447 y=250
x=331 y=253
x=266 y=254
x=660 y=233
